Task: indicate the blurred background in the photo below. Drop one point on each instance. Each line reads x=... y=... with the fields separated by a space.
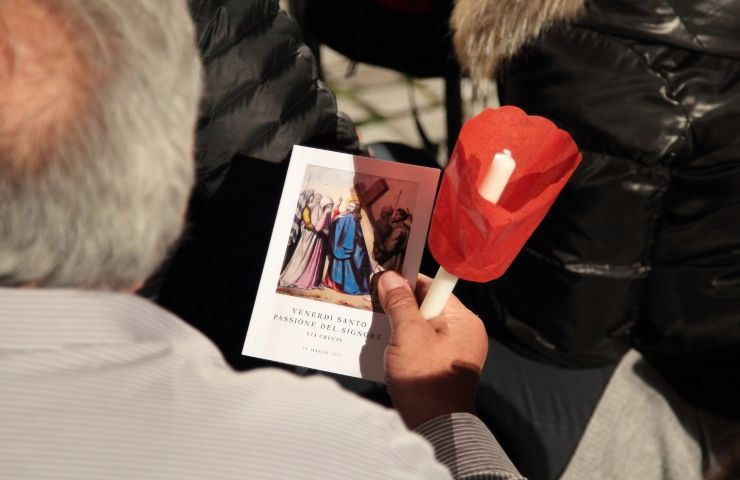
x=385 y=103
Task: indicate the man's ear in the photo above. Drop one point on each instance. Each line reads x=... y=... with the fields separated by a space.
x=135 y=287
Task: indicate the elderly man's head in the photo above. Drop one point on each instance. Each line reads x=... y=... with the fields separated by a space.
x=98 y=101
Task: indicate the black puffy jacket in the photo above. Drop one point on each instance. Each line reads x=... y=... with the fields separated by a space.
x=262 y=96
x=262 y=92
x=643 y=246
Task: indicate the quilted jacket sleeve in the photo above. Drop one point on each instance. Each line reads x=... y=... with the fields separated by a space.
x=262 y=91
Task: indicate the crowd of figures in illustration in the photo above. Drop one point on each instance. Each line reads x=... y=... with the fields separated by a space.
x=327 y=247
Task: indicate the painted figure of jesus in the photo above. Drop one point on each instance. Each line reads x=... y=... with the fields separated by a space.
x=349 y=263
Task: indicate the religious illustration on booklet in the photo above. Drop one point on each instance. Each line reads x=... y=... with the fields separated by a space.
x=342 y=220
x=347 y=227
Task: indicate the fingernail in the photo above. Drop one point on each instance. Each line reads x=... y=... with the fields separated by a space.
x=391 y=280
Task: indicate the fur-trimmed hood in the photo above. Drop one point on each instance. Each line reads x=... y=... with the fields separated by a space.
x=486 y=32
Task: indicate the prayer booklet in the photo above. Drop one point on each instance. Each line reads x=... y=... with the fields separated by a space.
x=342 y=220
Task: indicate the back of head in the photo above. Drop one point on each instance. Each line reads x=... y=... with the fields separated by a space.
x=98 y=101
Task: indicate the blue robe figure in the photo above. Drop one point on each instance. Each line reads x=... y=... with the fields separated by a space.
x=349 y=263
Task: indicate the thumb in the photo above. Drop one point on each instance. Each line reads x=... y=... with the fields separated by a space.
x=398 y=300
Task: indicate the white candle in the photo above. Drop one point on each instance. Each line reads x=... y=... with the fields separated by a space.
x=501 y=169
x=491 y=189
x=438 y=294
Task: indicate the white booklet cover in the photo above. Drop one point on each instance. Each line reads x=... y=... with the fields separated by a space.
x=342 y=219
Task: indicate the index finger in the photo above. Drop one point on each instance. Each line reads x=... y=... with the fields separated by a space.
x=423 y=283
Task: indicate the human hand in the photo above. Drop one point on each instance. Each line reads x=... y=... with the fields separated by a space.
x=432 y=366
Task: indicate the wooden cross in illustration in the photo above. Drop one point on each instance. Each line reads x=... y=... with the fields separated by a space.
x=371 y=195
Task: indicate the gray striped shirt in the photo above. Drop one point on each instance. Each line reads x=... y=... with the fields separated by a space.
x=104 y=385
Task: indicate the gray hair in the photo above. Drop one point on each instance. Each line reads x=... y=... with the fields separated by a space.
x=98 y=102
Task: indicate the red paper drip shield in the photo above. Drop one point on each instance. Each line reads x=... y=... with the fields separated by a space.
x=475 y=239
